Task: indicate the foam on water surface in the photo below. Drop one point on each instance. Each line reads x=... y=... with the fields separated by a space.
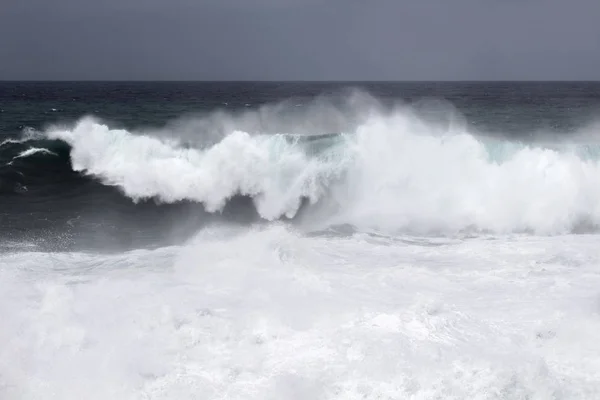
x=268 y=313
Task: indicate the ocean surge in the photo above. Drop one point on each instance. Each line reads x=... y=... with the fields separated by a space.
x=388 y=170
x=272 y=314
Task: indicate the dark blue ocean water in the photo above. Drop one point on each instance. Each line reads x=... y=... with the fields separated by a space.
x=516 y=107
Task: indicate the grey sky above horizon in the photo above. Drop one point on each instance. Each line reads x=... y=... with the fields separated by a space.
x=300 y=40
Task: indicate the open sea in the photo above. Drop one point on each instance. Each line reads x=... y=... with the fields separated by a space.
x=239 y=240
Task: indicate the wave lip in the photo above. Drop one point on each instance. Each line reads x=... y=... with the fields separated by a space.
x=275 y=172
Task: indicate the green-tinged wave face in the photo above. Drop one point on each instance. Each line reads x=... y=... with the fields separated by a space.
x=501 y=150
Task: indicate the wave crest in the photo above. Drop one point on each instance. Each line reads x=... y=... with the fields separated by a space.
x=388 y=170
x=276 y=172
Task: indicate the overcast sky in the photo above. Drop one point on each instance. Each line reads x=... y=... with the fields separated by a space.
x=300 y=39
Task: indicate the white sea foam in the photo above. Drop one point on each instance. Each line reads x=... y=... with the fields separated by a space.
x=9 y=141
x=388 y=170
x=35 y=150
x=271 y=314
x=27 y=134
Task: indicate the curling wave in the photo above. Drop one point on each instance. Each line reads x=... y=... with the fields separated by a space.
x=391 y=171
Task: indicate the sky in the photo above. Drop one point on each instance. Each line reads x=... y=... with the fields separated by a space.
x=300 y=40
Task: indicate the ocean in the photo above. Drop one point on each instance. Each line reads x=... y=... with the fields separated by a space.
x=298 y=240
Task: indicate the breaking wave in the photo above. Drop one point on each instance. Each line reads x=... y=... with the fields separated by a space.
x=384 y=169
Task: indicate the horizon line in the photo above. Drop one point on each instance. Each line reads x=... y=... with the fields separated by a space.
x=298 y=81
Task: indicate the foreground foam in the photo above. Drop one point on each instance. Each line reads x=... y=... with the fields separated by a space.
x=270 y=314
x=389 y=171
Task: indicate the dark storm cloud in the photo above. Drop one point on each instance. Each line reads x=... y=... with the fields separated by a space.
x=296 y=39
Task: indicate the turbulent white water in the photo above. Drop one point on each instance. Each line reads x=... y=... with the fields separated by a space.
x=388 y=171
x=397 y=306
x=273 y=314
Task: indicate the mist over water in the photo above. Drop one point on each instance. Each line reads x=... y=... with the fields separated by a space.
x=397 y=169
x=352 y=244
